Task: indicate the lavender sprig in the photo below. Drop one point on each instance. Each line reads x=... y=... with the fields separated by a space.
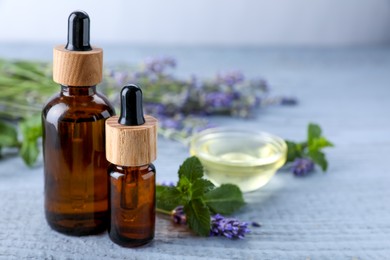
x=228 y=227
x=220 y=225
x=182 y=106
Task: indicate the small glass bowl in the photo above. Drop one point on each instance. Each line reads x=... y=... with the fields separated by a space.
x=244 y=157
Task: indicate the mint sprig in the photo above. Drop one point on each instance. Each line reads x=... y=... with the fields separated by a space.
x=199 y=197
x=312 y=148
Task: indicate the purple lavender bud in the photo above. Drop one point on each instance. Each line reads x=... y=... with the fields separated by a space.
x=219 y=99
x=220 y=226
x=159 y=65
x=288 y=101
x=195 y=82
x=168 y=184
x=120 y=78
x=178 y=215
x=302 y=166
x=228 y=227
x=260 y=84
x=258 y=101
x=170 y=62
x=170 y=123
x=155 y=109
x=255 y=224
x=153 y=65
x=230 y=78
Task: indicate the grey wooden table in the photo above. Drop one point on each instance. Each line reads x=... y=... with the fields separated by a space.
x=343 y=214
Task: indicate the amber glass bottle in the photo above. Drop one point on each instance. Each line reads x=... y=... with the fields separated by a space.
x=76 y=196
x=131 y=147
x=132 y=204
x=75 y=167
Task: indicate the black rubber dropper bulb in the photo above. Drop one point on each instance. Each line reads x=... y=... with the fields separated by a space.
x=78 y=32
x=132 y=113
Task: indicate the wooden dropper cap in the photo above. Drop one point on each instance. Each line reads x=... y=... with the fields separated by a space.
x=77 y=63
x=131 y=138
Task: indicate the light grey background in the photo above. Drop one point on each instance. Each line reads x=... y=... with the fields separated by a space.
x=204 y=22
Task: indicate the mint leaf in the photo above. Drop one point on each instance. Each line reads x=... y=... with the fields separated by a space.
x=160 y=189
x=319 y=158
x=319 y=143
x=8 y=135
x=191 y=168
x=294 y=150
x=29 y=152
x=313 y=132
x=31 y=130
x=167 y=198
x=198 y=217
x=225 y=199
x=183 y=184
x=200 y=187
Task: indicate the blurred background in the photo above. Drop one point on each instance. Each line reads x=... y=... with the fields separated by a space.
x=204 y=22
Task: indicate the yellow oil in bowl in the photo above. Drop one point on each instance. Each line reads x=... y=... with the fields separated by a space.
x=246 y=158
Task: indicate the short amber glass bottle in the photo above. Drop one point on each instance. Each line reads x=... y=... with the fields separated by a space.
x=132 y=204
x=131 y=147
x=73 y=121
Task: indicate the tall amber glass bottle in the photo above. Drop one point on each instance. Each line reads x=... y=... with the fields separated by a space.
x=75 y=167
x=131 y=147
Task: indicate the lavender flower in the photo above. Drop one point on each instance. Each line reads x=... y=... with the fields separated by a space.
x=159 y=65
x=168 y=184
x=228 y=227
x=288 y=101
x=179 y=216
x=302 y=166
x=155 y=109
x=196 y=83
x=120 y=78
x=230 y=78
x=220 y=226
x=171 y=123
x=260 y=84
x=219 y=99
x=255 y=224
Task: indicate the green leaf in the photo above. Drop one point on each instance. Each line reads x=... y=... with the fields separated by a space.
x=168 y=198
x=319 y=143
x=294 y=150
x=31 y=130
x=198 y=217
x=29 y=152
x=313 y=132
x=319 y=158
x=8 y=135
x=200 y=187
x=183 y=183
x=225 y=200
x=191 y=168
x=160 y=189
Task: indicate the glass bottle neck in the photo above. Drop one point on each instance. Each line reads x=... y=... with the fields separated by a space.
x=78 y=91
